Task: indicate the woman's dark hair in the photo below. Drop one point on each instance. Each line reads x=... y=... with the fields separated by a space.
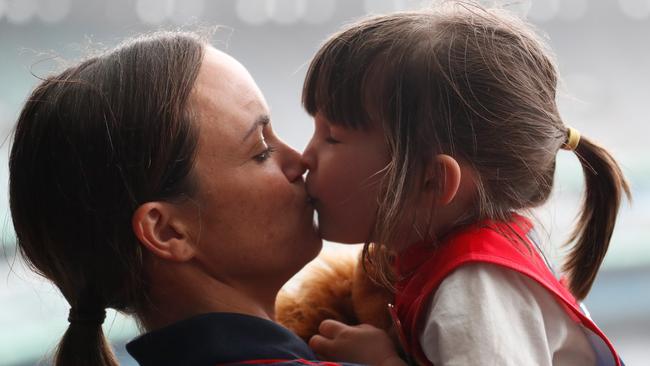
x=473 y=83
x=91 y=145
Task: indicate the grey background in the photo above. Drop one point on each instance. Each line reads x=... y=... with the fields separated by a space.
x=603 y=53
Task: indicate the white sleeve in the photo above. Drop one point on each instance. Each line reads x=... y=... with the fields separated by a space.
x=486 y=314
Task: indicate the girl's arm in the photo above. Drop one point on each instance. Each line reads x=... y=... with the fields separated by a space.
x=483 y=313
x=363 y=344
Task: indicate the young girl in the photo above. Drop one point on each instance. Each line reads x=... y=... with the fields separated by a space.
x=435 y=131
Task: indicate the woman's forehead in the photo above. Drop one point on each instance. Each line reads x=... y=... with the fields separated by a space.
x=226 y=103
x=224 y=78
x=225 y=92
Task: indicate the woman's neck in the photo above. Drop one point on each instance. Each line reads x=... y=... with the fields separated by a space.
x=182 y=290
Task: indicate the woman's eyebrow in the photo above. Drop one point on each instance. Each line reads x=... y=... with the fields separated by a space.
x=261 y=120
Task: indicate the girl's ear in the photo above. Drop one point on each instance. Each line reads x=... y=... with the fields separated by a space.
x=161 y=228
x=443 y=174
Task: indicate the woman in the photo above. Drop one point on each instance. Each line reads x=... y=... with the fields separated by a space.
x=149 y=180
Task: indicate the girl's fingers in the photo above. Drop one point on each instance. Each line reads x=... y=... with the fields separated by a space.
x=331 y=328
x=321 y=345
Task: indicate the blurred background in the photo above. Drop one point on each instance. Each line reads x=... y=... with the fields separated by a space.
x=603 y=50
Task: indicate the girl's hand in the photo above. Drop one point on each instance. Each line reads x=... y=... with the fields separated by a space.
x=363 y=344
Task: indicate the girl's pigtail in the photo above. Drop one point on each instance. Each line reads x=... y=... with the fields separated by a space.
x=605 y=184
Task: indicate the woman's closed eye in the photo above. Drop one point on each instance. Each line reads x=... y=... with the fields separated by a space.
x=264 y=155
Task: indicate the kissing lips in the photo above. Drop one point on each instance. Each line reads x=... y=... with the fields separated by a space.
x=310 y=200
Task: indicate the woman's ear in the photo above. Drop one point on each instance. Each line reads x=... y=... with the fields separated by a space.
x=443 y=173
x=161 y=228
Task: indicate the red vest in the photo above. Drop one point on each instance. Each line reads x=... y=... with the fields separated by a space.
x=422 y=269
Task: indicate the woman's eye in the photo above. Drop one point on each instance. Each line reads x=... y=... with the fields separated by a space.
x=331 y=140
x=265 y=155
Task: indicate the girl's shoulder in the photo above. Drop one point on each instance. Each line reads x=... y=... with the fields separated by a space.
x=483 y=301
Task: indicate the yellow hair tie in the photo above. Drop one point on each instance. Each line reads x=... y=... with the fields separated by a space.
x=572 y=139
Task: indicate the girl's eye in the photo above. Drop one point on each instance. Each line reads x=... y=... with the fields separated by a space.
x=265 y=155
x=331 y=140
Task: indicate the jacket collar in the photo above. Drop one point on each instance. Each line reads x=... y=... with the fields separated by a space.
x=214 y=338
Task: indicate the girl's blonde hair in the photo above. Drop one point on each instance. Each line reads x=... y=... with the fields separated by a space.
x=473 y=83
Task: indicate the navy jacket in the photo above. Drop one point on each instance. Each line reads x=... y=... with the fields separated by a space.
x=219 y=339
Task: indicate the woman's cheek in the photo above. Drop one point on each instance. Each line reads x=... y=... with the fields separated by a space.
x=278 y=193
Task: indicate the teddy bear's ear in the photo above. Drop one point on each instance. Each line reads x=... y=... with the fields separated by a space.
x=324 y=292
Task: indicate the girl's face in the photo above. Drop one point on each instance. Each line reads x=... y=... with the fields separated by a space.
x=345 y=169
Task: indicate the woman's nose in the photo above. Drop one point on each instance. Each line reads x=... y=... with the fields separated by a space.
x=308 y=156
x=293 y=166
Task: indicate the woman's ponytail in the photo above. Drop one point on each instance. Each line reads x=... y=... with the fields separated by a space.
x=605 y=186
x=91 y=144
x=84 y=344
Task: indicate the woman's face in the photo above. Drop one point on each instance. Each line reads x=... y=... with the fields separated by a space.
x=256 y=224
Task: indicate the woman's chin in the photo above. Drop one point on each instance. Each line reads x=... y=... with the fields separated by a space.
x=311 y=242
x=338 y=236
x=315 y=244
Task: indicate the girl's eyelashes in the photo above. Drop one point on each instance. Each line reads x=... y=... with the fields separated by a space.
x=264 y=155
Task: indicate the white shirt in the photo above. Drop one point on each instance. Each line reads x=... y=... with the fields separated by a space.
x=486 y=314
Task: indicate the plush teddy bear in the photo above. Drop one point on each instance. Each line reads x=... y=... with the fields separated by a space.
x=334 y=286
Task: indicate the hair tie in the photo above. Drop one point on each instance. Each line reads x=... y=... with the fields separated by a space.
x=88 y=309
x=86 y=316
x=572 y=139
